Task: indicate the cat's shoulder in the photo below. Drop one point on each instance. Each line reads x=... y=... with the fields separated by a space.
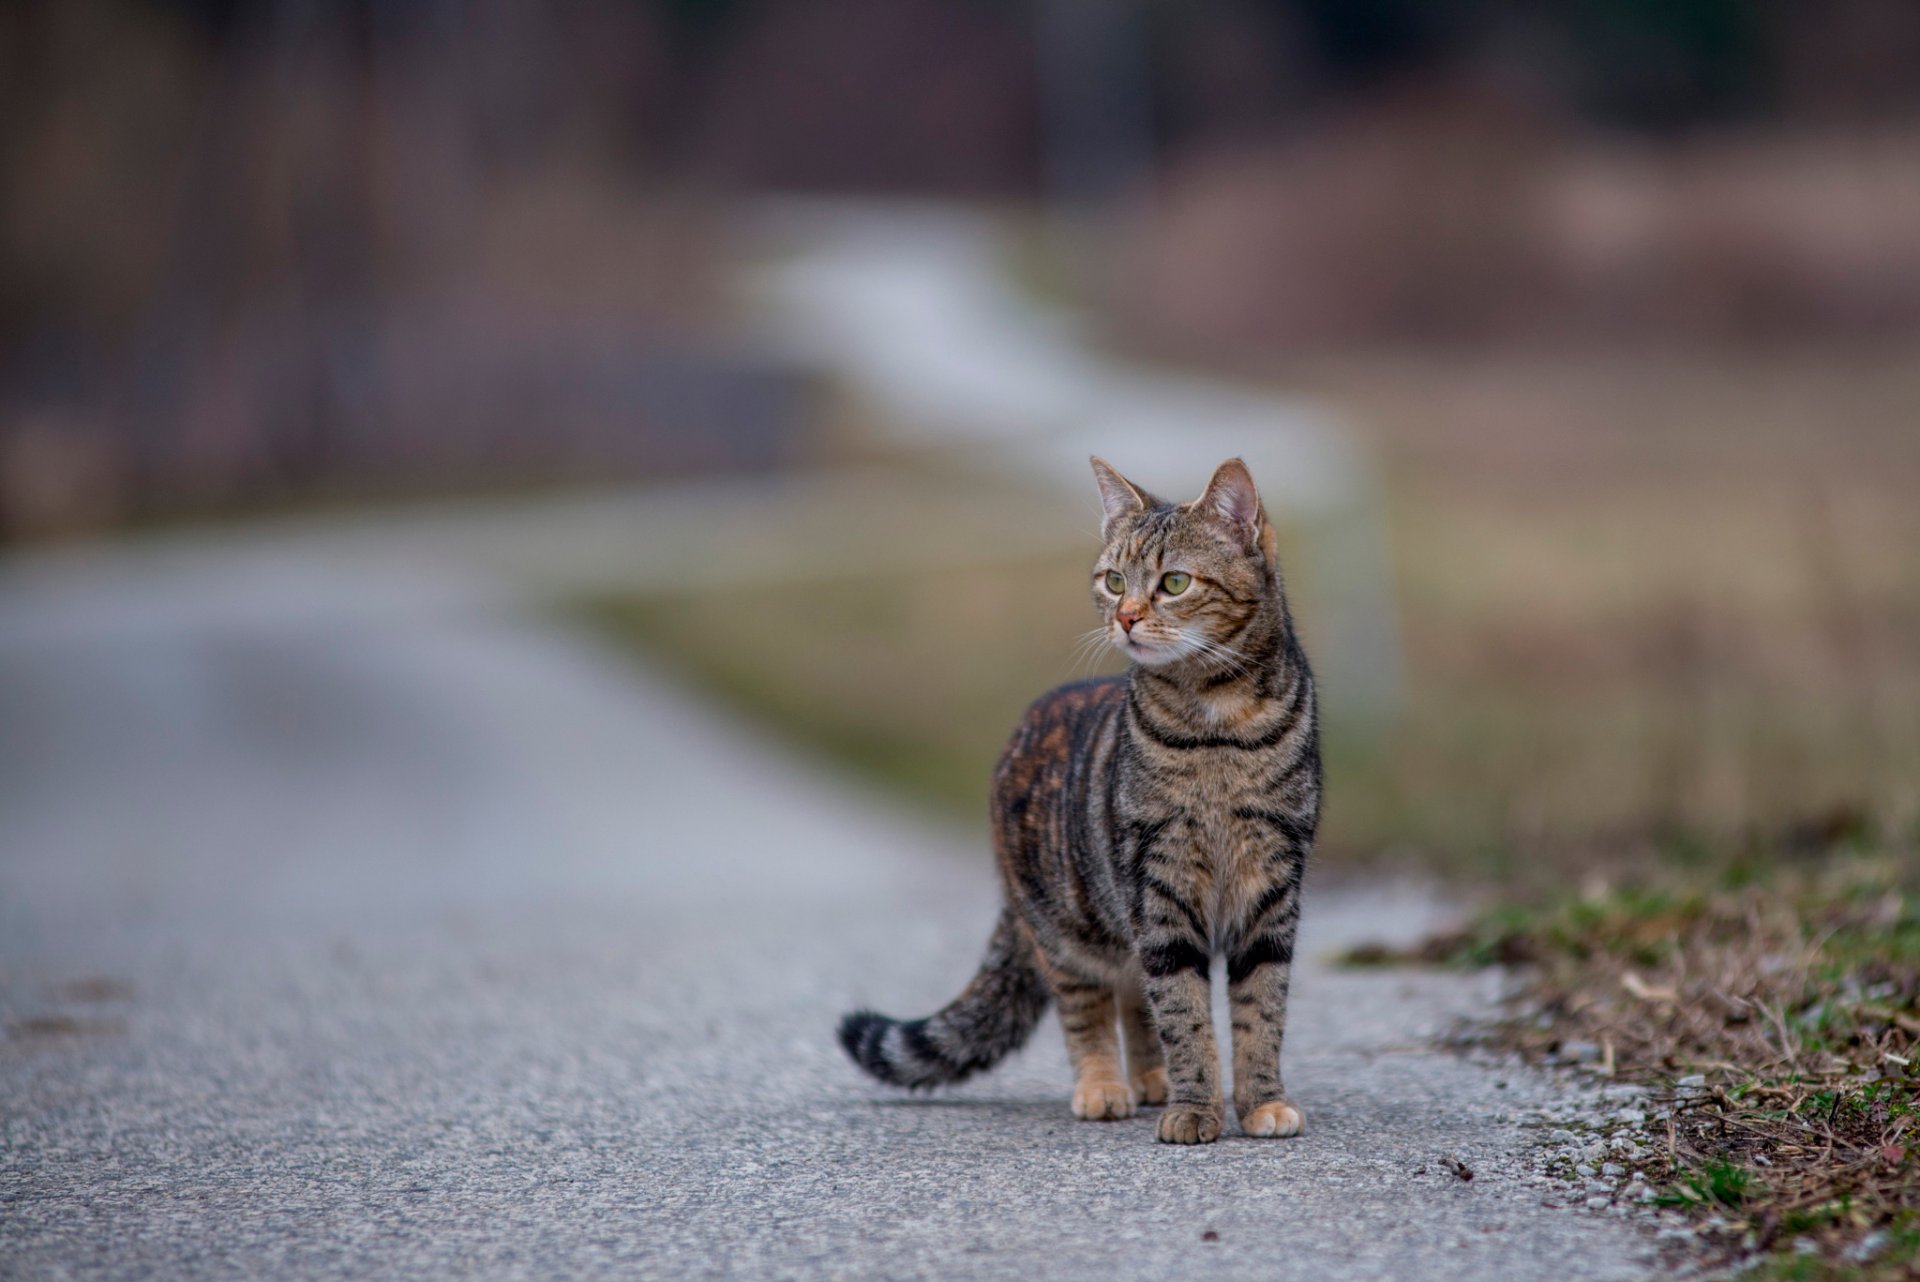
x=1061 y=724
x=1074 y=704
x=1079 y=696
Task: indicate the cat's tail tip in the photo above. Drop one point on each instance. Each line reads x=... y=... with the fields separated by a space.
x=861 y=1033
x=898 y=1058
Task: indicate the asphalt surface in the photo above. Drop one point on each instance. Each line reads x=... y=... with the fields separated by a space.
x=355 y=922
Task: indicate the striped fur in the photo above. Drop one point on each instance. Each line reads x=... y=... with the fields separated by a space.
x=1145 y=826
x=990 y=1019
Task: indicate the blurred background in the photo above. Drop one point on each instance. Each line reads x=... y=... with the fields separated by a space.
x=1573 y=344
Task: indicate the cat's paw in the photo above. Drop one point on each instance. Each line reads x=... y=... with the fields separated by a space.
x=1276 y=1119
x=1151 y=1086
x=1102 y=1101
x=1185 y=1124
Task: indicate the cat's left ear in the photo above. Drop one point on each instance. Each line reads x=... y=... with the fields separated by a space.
x=1119 y=497
x=1233 y=505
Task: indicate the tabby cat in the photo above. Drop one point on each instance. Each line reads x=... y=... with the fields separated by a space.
x=1145 y=824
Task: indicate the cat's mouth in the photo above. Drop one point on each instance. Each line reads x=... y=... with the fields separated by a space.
x=1143 y=650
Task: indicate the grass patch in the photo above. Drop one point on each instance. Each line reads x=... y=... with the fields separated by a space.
x=1888 y=1256
x=914 y=680
x=1717 y=1184
x=1776 y=1011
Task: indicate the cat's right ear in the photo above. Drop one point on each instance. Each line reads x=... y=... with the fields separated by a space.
x=1118 y=496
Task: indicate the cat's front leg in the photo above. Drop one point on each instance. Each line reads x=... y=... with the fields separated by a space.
x=1259 y=970
x=1087 y=1010
x=1146 y=1062
x=1178 y=992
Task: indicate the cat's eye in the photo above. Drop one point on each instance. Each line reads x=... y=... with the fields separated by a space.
x=1116 y=582
x=1176 y=583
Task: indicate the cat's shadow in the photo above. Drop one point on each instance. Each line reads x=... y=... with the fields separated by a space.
x=1009 y=1107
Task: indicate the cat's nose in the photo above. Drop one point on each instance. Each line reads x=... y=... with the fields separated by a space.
x=1127 y=619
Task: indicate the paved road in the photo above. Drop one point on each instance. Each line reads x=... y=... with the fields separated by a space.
x=355 y=922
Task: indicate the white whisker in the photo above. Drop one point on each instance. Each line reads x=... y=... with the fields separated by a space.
x=1225 y=655
x=1085 y=652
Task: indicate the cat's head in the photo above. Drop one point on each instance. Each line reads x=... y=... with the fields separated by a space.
x=1182 y=581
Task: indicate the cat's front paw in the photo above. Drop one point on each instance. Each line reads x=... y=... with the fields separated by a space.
x=1102 y=1101
x=1276 y=1119
x=1185 y=1124
x=1151 y=1086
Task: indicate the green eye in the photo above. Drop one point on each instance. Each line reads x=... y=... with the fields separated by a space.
x=1116 y=582
x=1176 y=583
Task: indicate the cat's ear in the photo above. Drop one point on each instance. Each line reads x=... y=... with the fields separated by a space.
x=1118 y=496
x=1232 y=504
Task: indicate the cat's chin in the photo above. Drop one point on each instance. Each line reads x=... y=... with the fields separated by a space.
x=1147 y=654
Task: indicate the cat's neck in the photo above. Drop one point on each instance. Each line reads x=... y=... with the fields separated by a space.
x=1213 y=691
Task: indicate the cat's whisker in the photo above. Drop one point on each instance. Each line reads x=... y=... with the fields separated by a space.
x=1235 y=666
x=1222 y=647
x=1091 y=637
x=1228 y=657
x=1086 y=651
x=1246 y=661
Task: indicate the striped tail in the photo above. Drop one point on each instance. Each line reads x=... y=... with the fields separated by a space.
x=988 y=1021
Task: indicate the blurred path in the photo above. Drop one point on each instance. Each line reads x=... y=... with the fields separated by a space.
x=354 y=921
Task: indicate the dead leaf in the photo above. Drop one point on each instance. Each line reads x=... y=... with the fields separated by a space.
x=1646 y=992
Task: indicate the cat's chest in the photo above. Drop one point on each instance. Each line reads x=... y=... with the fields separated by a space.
x=1216 y=794
x=1232 y=854
x=1225 y=828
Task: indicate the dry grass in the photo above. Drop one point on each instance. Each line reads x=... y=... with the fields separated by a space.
x=1644 y=596
x=1776 y=1010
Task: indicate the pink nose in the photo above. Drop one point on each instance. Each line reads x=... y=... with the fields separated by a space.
x=1127 y=619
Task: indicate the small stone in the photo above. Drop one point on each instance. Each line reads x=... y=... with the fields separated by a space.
x=1867 y=1247
x=1580 y=1052
x=1583 y=1171
x=1613 y=1168
x=1631 y=1117
x=1598 y=1202
x=1692 y=1082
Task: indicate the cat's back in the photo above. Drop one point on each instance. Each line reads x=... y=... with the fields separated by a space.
x=1062 y=740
